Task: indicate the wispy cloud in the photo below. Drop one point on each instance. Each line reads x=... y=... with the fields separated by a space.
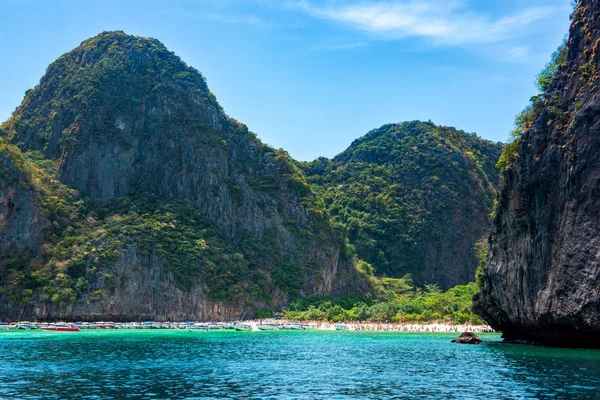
x=518 y=53
x=241 y=19
x=238 y=20
x=445 y=22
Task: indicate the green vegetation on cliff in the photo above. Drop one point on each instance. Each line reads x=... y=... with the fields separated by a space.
x=121 y=167
x=413 y=198
x=133 y=170
x=85 y=239
x=527 y=117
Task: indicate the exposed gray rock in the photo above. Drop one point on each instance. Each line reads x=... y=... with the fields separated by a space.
x=22 y=223
x=415 y=197
x=123 y=116
x=467 y=338
x=542 y=278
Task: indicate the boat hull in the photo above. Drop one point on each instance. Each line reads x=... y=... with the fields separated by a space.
x=267 y=328
x=61 y=329
x=243 y=328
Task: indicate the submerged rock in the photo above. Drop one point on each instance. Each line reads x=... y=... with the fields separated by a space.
x=467 y=338
x=542 y=278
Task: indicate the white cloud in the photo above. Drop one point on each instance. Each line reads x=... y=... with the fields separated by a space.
x=446 y=22
x=240 y=19
x=519 y=53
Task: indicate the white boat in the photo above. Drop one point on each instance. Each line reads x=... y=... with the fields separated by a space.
x=268 y=327
x=242 y=327
x=297 y=327
x=104 y=325
x=292 y=327
x=61 y=328
x=341 y=327
x=198 y=328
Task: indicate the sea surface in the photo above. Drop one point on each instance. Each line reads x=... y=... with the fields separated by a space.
x=296 y=365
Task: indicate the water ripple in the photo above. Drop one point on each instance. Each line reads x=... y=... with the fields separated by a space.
x=294 y=365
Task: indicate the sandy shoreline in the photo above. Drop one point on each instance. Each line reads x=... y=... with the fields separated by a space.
x=257 y=325
x=387 y=327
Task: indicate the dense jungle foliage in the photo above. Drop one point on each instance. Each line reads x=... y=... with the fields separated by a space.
x=408 y=198
x=413 y=198
x=394 y=300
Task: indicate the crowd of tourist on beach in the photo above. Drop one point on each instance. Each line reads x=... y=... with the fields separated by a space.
x=399 y=327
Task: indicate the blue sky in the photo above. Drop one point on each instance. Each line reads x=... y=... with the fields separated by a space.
x=311 y=76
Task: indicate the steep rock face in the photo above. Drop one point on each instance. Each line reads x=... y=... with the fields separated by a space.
x=140 y=289
x=414 y=197
x=123 y=121
x=542 y=278
x=22 y=223
x=122 y=114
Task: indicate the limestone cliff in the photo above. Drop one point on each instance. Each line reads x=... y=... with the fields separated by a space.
x=22 y=223
x=542 y=278
x=415 y=198
x=160 y=205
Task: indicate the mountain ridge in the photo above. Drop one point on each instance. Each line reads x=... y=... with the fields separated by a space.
x=144 y=200
x=402 y=192
x=120 y=118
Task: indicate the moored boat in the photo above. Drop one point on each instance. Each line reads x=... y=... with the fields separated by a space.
x=198 y=327
x=105 y=325
x=242 y=327
x=341 y=327
x=61 y=328
x=268 y=327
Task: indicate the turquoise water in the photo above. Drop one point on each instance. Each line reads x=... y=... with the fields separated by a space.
x=302 y=365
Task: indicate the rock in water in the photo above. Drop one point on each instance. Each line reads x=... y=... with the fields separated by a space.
x=467 y=338
x=542 y=279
